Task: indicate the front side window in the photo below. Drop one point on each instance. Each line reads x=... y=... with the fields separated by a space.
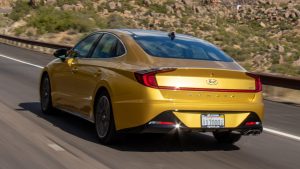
x=181 y=48
x=83 y=47
x=108 y=47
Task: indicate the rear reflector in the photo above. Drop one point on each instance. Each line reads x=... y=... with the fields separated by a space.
x=252 y=123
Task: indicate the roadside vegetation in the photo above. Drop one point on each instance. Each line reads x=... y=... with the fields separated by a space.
x=262 y=36
x=20 y=10
x=47 y=19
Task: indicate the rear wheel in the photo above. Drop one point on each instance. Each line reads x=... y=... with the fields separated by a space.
x=45 y=95
x=227 y=137
x=104 y=119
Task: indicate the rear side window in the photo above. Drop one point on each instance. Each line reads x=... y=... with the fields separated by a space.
x=180 y=48
x=120 y=50
x=108 y=47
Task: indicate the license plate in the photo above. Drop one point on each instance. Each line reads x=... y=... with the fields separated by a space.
x=212 y=120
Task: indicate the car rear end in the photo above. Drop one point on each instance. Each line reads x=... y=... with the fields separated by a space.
x=204 y=100
x=189 y=85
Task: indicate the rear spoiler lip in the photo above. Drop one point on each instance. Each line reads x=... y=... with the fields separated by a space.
x=199 y=68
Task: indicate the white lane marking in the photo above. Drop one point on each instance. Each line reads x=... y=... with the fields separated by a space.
x=21 y=61
x=56 y=147
x=280 y=133
x=265 y=129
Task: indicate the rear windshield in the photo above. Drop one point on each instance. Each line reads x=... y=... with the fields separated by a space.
x=181 y=48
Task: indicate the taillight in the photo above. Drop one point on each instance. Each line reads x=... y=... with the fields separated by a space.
x=147 y=77
x=258 y=85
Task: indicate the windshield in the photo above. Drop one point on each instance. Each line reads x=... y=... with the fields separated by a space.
x=180 y=47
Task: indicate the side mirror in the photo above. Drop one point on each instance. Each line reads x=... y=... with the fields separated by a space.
x=61 y=53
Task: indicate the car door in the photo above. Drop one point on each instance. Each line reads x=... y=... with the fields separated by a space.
x=64 y=74
x=90 y=71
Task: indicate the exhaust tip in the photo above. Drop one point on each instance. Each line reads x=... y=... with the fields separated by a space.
x=252 y=132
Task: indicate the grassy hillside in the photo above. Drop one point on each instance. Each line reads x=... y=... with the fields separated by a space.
x=262 y=35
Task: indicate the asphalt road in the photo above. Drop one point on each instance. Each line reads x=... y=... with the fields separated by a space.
x=30 y=139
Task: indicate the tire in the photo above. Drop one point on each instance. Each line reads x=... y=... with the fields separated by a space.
x=45 y=96
x=104 y=119
x=227 y=137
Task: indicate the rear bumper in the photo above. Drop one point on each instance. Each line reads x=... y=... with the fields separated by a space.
x=179 y=126
x=187 y=107
x=131 y=115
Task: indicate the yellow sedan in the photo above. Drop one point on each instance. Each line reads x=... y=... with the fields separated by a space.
x=128 y=80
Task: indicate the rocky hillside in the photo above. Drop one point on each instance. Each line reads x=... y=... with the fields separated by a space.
x=263 y=35
x=5 y=3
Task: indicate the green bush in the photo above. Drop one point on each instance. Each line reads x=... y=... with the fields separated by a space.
x=47 y=19
x=237 y=54
x=285 y=69
x=62 y=2
x=50 y=20
x=158 y=8
x=18 y=31
x=20 y=10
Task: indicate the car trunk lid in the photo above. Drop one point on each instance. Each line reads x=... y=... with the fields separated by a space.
x=208 y=80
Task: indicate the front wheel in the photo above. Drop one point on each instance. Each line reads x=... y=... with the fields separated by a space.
x=104 y=119
x=227 y=137
x=45 y=95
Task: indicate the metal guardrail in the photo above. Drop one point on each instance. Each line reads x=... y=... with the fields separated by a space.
x=267 y=79
x=35 y=43
x=279 y=80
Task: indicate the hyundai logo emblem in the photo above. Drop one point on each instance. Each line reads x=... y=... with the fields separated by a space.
x=212 y=82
